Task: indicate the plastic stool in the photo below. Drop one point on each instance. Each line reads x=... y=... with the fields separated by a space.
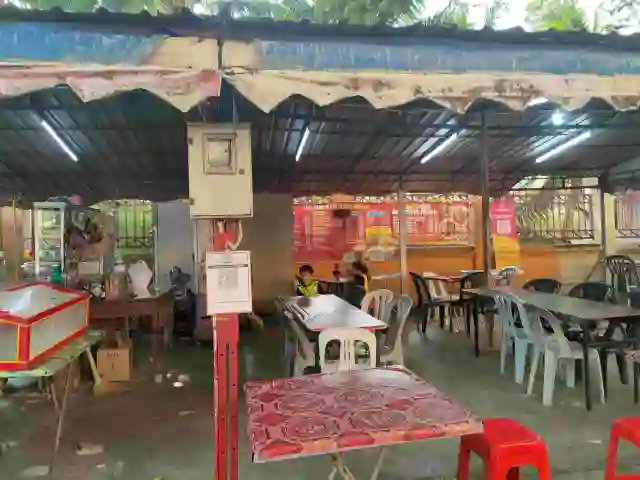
x=504 y=446
x=622 y=429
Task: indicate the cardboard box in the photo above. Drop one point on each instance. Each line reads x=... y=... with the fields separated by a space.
x=115 y=363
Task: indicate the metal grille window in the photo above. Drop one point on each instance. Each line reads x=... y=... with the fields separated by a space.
x=555 y=214
x=134 y=225
x=627 y=215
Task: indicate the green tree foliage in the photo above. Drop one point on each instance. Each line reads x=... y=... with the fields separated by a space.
x=366 y=12
x=556 y=15
x=455 y=14
x=540 y=14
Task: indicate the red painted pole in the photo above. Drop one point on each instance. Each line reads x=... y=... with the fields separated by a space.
x=225 y=396
x=225 y=385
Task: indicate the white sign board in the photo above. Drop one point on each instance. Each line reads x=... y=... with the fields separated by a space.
x=228 y=282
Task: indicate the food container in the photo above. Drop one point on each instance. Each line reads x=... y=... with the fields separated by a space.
x=36 y=319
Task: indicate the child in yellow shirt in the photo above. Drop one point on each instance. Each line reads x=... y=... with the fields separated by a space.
x=306 y=285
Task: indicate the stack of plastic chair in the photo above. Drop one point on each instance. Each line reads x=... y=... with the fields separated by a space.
x=351 y=343
x=624 y=273
x=504 y=446
x=516 y=331
x=556 y=349
x=397 y=313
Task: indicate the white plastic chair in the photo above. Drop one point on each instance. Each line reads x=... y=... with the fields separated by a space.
x=350 y=341
x=376 y=302
x=304 y=355
x=512 y=334
x=397 y=312
x=556 y=349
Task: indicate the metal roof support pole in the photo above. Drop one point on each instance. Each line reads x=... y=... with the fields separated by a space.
x=484 y=189
x=402 y=220
x=603 y=229
x=486 y=224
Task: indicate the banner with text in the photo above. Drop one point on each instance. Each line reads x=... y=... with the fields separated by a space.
x=504 y=232
x=327 y=232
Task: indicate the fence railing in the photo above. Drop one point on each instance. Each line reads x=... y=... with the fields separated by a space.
x=627 y=215
x=134 y=225
x=555 y=214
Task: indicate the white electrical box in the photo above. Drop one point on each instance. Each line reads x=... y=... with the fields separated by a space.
x=228 y=282
x=220 y=179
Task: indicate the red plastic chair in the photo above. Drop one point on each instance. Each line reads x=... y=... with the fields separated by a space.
x=504 y=446
x=622 y=429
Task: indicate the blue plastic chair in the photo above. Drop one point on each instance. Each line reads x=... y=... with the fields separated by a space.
x=516 y=332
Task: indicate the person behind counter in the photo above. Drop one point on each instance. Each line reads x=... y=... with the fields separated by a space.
x=306 y=284
x=360 y=275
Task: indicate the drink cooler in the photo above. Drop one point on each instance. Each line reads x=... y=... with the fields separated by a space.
x=36 y=319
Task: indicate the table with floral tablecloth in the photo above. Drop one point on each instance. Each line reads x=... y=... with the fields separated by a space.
x=335 y=412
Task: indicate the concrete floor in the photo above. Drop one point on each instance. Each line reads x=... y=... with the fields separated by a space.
x=159 y=432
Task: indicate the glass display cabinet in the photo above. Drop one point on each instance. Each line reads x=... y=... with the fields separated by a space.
x=64 y=242
x=48 y=238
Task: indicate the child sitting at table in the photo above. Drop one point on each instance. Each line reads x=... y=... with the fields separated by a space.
x=306 y=285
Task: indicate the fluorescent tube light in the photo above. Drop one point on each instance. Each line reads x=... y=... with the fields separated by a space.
x=440 y=148
x=199 y=9
x=303 y=142
x=536 y=101
x=52 y=133
x=565 y=146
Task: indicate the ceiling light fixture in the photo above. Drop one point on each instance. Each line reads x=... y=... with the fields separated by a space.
x=303 y=142
x=440 y=148
x=199 y=9
x=565 y=146
x=557 y=118
x=52 y=133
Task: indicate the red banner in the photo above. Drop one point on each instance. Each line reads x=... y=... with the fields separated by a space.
x=506 y=248
x=326 y=232
x=503 y=218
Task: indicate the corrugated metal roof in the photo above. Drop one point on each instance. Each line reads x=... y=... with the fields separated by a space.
x=355 y=148
x=128 y=146
x=134 y=145
x=186 y=23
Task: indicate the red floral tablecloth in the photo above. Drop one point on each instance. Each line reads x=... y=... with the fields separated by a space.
x=327 y=413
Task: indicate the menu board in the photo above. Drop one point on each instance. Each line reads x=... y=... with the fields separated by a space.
x=434 y=222
x=321 y=235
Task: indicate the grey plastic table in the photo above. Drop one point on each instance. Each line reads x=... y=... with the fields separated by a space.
x=322 y=312
x=577 y=311
x=329 y=311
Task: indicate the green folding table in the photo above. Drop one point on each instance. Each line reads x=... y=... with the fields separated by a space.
x=59 y=361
